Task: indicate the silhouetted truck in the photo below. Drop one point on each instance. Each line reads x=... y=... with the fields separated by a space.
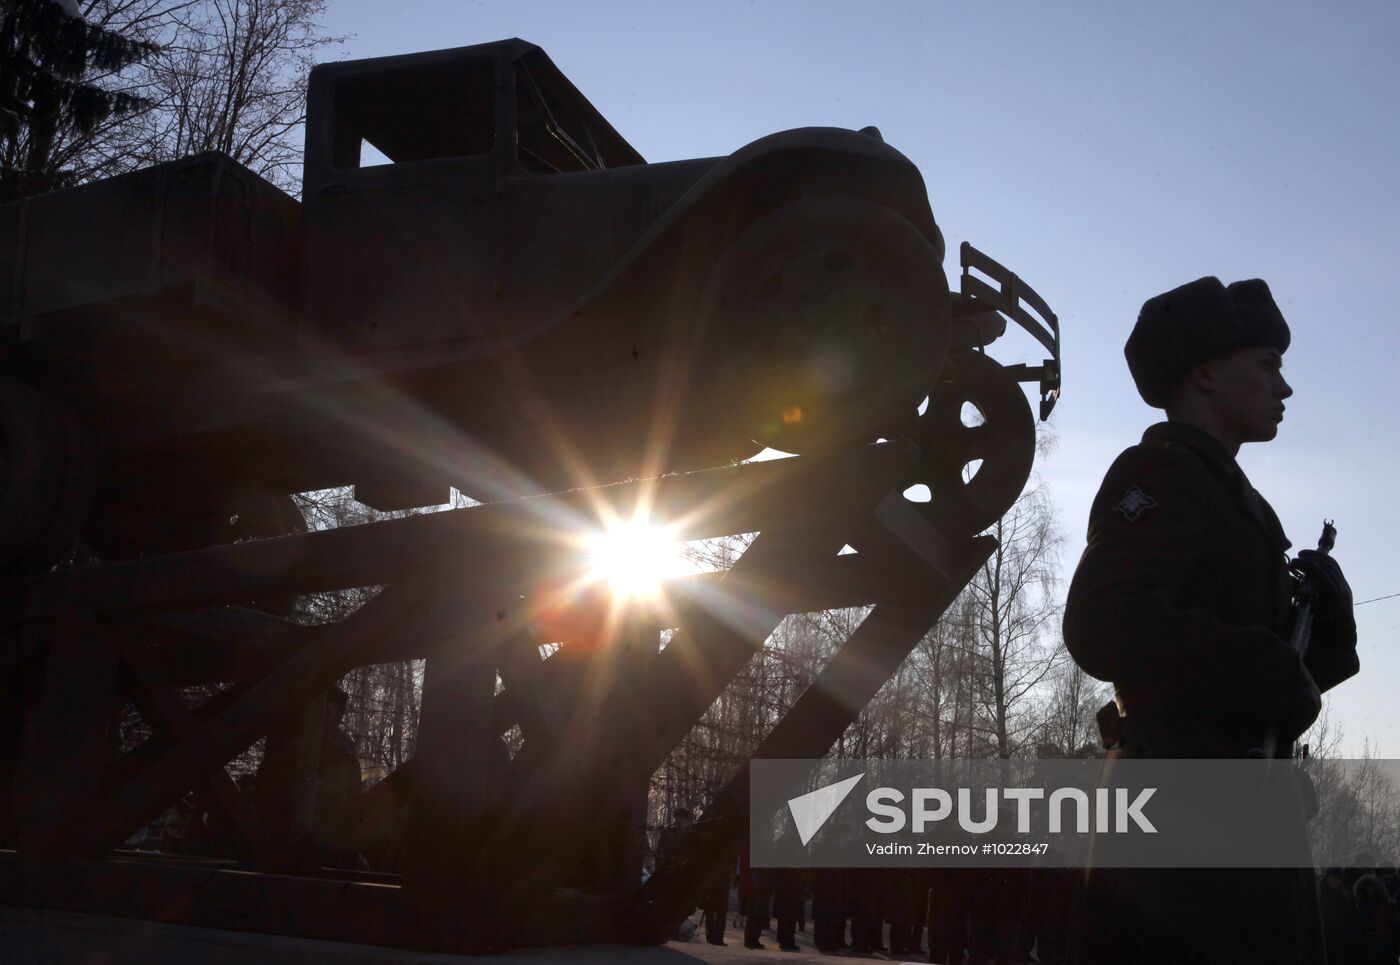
x=484 y=285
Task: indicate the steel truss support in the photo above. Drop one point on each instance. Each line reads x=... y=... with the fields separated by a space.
x=494 y=830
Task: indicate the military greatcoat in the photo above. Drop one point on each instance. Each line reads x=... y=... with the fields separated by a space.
x=1183 y=600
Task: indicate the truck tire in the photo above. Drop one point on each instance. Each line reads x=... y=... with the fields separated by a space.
x=1002 y=438
x=825 y=319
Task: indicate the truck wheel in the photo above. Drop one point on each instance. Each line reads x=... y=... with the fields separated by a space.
x=825 y=319
x=45 y=479
x=1001 y=436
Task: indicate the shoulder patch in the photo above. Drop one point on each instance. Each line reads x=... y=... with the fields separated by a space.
x=1134 y=503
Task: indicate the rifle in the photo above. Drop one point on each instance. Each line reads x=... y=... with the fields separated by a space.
x=1304 y=597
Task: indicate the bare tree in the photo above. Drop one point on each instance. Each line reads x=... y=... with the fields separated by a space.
x=232 y=78
x=1073 y=700
x=1358 y=811
x=1012 y=606
x=938 y=663
x=228 y=75
x=1358 y=802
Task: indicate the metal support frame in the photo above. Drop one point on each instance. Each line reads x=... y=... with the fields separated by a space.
x=491 y=837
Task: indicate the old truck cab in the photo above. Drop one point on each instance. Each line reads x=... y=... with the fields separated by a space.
x=484 y=286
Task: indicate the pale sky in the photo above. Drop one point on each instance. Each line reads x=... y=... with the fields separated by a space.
x=1105 y=152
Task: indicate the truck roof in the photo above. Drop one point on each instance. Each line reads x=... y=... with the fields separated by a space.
x=613 y=148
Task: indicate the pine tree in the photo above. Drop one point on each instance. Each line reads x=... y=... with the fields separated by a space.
x=48 y=54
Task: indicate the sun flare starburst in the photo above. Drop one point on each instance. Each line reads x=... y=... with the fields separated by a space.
x=635 y=558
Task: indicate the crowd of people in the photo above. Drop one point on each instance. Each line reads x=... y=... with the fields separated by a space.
x=987 y=913
x=939 y=914
x=1359 y=910
x=1006 y=915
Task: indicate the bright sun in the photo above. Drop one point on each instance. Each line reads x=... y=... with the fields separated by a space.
x=634 y=558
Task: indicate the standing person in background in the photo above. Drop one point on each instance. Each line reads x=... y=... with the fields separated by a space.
x=828 y=925
x=828 y=895
x=337 y=781
x=714 y=902
x=1340 y=927
x=789 y=894
x=904 y=892
x=862 y=890
x=756 y=891
x=670 y=837
x=948 y=900
x=667 y=842
x=1375 y=916
x=1183 y=599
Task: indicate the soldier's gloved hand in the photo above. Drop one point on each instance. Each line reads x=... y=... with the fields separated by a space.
x=1332 y=647
x=1332 y=608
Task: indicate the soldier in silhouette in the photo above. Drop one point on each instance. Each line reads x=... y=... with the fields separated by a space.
x=337 y=782
x=1183 y=599
x=670 y=837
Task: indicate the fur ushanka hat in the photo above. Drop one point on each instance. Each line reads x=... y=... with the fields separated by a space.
x=1186 y=326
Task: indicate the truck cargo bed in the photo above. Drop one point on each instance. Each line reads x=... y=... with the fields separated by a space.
x=199 y=251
